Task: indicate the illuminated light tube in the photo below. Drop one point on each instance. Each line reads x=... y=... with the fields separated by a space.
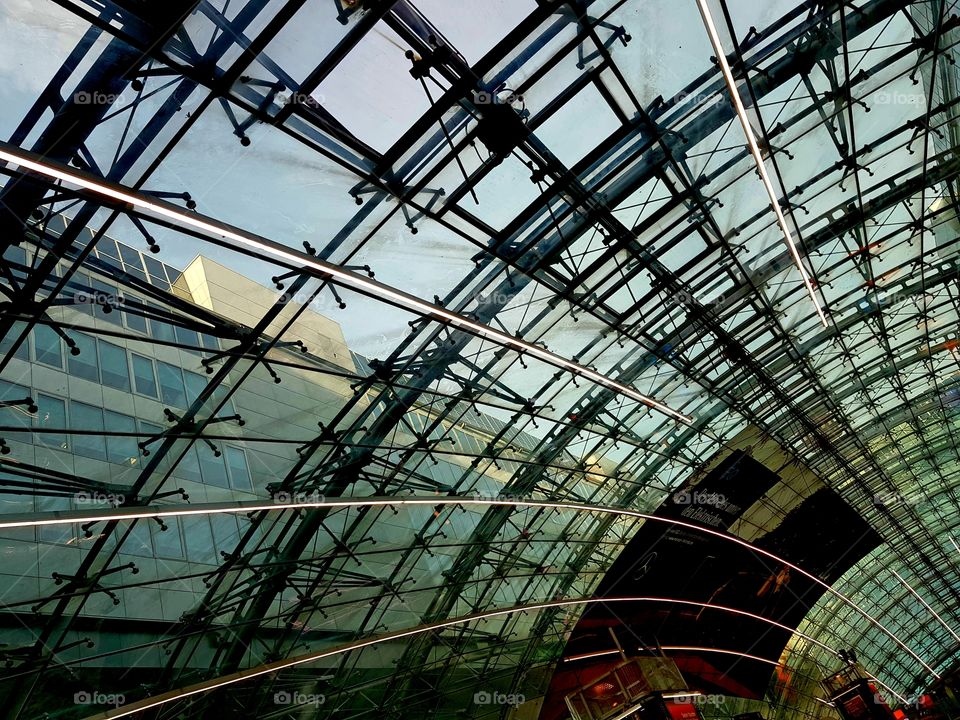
x=268 y=668
x=112 y=514
x=697 y=648
x=588 y=656
x=887 y=687
x=755 y=151
x=366 y=286
x=711 y=606
x=926 y=605
x=689 y=693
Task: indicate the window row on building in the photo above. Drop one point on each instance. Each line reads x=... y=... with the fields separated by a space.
x=114 y=366
x=112 y=437
x=197 y=538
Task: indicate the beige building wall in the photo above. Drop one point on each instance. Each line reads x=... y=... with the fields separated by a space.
x=235 y=297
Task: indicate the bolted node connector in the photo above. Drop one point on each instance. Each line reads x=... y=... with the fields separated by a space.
x=136 y=85
x=191 y=203
x=245 y=141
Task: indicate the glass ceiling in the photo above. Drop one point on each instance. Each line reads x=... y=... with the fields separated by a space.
x=271 y=261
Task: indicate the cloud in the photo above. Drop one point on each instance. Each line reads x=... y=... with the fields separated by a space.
x=35 y=38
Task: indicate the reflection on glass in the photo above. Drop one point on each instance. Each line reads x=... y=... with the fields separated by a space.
x=46 y=344
x=144 y=380
x=171 y=385
x=51 y=413
x=84 y=365
x=88 y=418
x=113 y=363
x=121 y=450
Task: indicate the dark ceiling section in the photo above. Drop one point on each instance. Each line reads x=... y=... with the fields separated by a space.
x=822 y=535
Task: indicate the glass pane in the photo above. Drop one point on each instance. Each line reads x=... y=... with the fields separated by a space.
x=209 y=342
x=113 y=363
x=106 y=310
x=162 y=331
x=171 y=385
x=195 y=384
x=14 y=414
x=189 y=466
x=121 y=450
x=225 y=532
x=47 y=346
x=107 y=250
x=167 y=542
x=239 y=472
x=6 y=342
x=187 y=337
x=219 y=394
x=54 y=533
x=138 y=543
x=134 y=321
x=211 y=467
x=130 y=257
x=85 y=364
x=155 y=268
x=149 y=430
x=51 y=413
x=199 y=539
x=88 y=417
x=143 y=378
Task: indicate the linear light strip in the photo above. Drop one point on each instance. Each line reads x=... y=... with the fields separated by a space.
x=887 y=687
x=698 y=648
x=111 y=514
x=926 y=605
x=755 y=151
x=721 y=608
x=266 y=669
x=367 y=286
